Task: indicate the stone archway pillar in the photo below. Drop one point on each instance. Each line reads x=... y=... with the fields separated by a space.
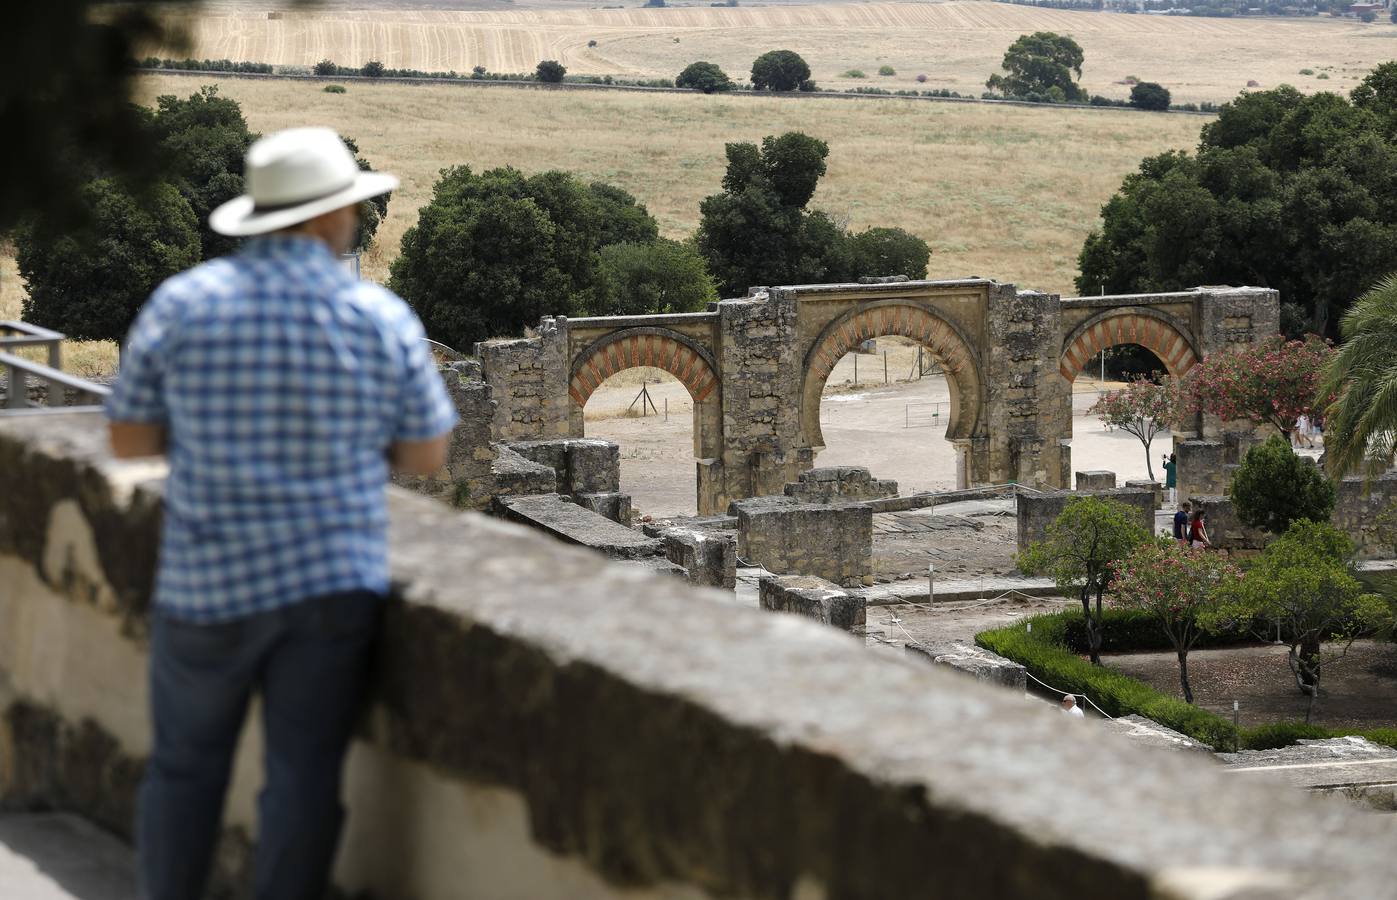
x=962 y=464
x=1028 y=402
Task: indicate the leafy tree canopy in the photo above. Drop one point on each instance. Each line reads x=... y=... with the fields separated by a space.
x=1275 y=487
x=1361 y=425
x=1149 y=95
x=888 y=251
x=90 y=284
x=1287 y=191
x=493 y=252
x=779 y=70
x=1266 y=384
x=660 y=277
x=704 y=76
x=550 y=71
x=1042 y=63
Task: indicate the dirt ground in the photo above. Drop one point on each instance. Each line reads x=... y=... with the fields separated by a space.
x=1360 y=691
x=892 y=429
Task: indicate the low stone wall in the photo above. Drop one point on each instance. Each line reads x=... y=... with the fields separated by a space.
x=1200 y=471
x=1225 y=530
x=583 y=465
x=977 y=662
x=544 y=723
x=1036 y=511
x=1154 y=487
x=512 y=475
x=467 y=480
x=1357 y=508
x=814 y=598
x=840 y=483
x=575 y=524
x=1096 y=480
x=833 y=542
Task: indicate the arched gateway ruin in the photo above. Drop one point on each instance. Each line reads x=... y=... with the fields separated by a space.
x=756 y=367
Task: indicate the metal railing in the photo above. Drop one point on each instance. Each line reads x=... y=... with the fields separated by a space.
x=59 y=384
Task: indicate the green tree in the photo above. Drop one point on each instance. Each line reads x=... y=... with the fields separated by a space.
x=202 y=141
x=1178 y=588
x=1360 y=427
x=623 y=220
x=326 y=67
x=550 y=71
x=493 y=252
x=1041 y=63
x=90 y=285
x=1302 y=587
x=1080 y=551
x=888 y=251
x=779 y=70
x=1142 y=408
x=1285 y=190
x=1149 y=95
x=1274 y=487
x=1272 y=383
x=704 y=76
x=646 y=279
x=757 y=231
x=373 y=69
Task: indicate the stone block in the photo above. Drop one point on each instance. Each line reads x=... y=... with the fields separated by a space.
x=1096 y=480
x=513 y=475
x=834 y=542
x=583 y=465
x=575 y=525
x=815 y=598
x=977 y=662
x=615 y=505
x=1357 y=508
x=827 y=485
x=1037 y=510
x=708 y=558
x=1201 y=465
x=1144 y=484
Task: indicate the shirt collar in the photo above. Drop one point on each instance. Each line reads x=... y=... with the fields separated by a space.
x=293 y=245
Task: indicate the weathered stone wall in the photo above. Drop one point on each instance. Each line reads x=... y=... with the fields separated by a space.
x=814 y=598
x=1027 y=404
x=529 y=380
x=1225 y=530
x=977 y=662
x=466 y=480
x=1097 y=480
x=1358 y=507
x=1036 y=511
x=831 y=541
x=708 y=558
x=588 y=471
x=1201 y=469
x=840 y=483
x=545 y=724
x=575 y=524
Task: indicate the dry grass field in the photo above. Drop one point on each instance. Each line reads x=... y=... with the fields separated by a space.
x=1003 y=192
x=955 y=44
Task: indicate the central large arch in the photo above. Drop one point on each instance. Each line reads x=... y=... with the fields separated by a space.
x=950 y=348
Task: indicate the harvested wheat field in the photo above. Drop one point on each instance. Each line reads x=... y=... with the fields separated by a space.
x=956 y=45
x=1000 y=192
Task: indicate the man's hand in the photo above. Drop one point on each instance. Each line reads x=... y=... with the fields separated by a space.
x=419 y=457
x=133 y=439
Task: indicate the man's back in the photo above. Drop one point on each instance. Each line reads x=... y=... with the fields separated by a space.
x=282 y=382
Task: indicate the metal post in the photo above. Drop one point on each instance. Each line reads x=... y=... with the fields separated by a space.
x=885 y=367
x=931 y=583
x=666 y=409
x=856 y=368
x=1234 y=713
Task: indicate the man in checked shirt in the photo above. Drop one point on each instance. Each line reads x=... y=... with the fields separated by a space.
x=281 y=390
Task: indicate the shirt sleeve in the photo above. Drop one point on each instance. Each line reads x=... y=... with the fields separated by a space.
x=139 y=392
x=426 y=410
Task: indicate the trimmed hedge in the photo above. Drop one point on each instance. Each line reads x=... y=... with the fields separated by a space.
x=1115 y=693
x=1126 y=631
x=1283 y=734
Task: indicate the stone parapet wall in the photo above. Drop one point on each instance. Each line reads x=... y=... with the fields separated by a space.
x=574 y=524
x=543 y=723
x=529 y=378
x=1358 y=508
x=825 y=485
x=1036 y=511
x=784 y=536
x=977 y=662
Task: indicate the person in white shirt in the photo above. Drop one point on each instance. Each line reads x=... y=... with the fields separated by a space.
x=1070 y=707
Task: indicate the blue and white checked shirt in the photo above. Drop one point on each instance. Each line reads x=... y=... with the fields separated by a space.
x=282 y=382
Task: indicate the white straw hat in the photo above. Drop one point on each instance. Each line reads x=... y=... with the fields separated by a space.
x=293 y=176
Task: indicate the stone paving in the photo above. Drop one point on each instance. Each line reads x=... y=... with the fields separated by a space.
x=54 y=856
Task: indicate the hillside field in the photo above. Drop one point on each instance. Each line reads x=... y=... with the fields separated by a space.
x=955 y=44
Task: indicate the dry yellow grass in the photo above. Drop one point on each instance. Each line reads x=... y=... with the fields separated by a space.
x=1001 y=192
x=956 y=44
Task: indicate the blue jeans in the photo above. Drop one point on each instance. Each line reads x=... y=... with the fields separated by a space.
x=309 y=661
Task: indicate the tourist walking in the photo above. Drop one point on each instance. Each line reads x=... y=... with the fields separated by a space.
x=1070 y=707
x=1302 y=432
x=1171 y=474
x=1198 y=531
x=1181 y=532
x=281 y=389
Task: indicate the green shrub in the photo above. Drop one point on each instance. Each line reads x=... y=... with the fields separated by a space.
x=853 y=73
x=1323 y=76
x=1280 y=734
x=1307 y=71
x=550 y=71
x=1127 y=631
x=886 y=70
x=334 y=89
x=1115 y=693
x=373 y=69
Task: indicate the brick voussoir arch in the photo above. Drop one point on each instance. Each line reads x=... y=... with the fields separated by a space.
x=658 y=348
x=903 y=319
x=1157 y=332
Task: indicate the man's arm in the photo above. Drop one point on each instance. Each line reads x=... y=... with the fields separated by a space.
x=419 y=457
x=133 y=439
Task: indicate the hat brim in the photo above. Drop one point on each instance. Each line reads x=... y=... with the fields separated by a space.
x=239 y=217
